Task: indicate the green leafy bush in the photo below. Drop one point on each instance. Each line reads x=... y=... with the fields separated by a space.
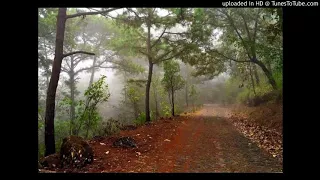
x=141 y=119
x=109 y=127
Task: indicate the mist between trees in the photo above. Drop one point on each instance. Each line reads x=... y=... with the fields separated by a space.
x=103 y=68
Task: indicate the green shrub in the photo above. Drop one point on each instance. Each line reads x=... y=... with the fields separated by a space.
x=109 y=127
x=279 y=79
x=141 y=119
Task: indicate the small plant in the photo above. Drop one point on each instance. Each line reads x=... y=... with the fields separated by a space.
x=141 y=119
x=88 y=112
x=109 y=127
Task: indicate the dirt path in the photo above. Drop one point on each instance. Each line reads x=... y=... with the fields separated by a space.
x=202 y=142
x=209 y=143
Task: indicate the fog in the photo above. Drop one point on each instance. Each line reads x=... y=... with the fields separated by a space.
x=202 y=76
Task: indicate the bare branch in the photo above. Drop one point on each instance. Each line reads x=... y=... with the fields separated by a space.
x=129 y=9
x=77 y=52
x=82 y=69
x=177 y=33
x=142 y=52
x=91 y=13
x=64 y=69
x=111 y=67
x=153 y=10
x=163 y=55
x=177 y=54
x=229 y=57
x=159 y=38
x=69 y=66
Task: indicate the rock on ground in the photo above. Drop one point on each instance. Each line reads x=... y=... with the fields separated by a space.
x=76 y=152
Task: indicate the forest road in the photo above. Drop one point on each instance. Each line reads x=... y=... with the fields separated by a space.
x=208 y=142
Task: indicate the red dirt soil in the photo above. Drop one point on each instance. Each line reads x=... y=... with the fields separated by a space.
x=201 y=142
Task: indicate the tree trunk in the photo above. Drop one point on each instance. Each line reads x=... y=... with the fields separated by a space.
x=150 y=69
x=269 y=66
x=92 y=71
x=72 y=106
x=252 y=80
x=72 y=98
x=156 y=102
x=187 y=89
x=169 y=98
x=46 y=56
x=136 y=110
x=187 y=102
x=148 y=91
x=125 y=87
x=172 y=96
x=51 y=93
x=256 y=75
x=267 y=73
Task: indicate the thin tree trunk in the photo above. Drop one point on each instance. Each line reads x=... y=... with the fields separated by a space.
x=267 y=73
x=255 y=71
x=150 y=70
x=156 y=102
x=92 y=71
x=136 y=110
x=46 y=56
x=72 y=106
x=187 y=89
x=187 y=101
x=148 y=92
x=88 y=122
x=51 y=93
x=169 y=98
x=172 y=96
x=252 y=80
x=269 y=66
x=125 y=87
x=72 y=96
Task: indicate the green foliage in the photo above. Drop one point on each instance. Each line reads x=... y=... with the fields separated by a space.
x=125 y=41
x=141 y=119
x=193 y=94
x=178 y=110
x=40 y=118
x=108 y=127
x=165 y=109
x=47 y=18
x=95 y=94
x=171 y=80
x=61 y=128
x=41 y=150
x=278 y=78
x=232 y=89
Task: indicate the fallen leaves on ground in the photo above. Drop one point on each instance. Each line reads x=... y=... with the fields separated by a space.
x=262 y=125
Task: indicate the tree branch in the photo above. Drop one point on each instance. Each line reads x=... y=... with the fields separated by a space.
x=64 y=69
x=91 y=13
x=239 y=35
x=180 y=52
x=246 y=26
x=158 y=38
x=69 y=66
x=229 y=57
x=76 y=52
x=142 y=52
x=255 y=35
x=163 y=55
x=129 y=9
x=177 y=33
